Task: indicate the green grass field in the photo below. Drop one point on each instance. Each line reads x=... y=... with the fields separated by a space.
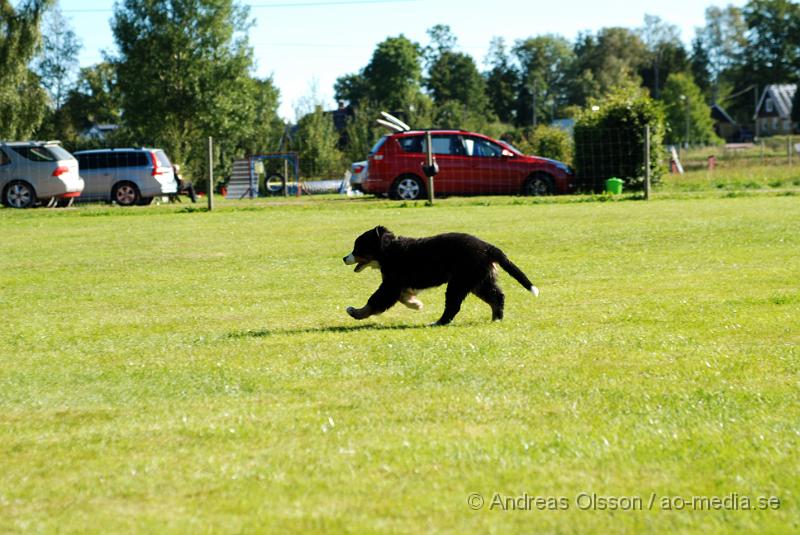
x=165 y=369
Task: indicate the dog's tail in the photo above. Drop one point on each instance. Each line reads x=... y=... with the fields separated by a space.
x=501 y=258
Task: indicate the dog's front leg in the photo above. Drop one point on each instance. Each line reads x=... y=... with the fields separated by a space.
x=383 y=299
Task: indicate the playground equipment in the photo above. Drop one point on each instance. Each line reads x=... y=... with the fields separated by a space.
x=244 y=180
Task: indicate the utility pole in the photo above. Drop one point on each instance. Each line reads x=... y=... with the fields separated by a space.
x=533 y=92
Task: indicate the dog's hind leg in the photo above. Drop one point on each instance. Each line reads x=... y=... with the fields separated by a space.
x=490 y=292
x=453 y=297
x=409 y=299
x=380 y=301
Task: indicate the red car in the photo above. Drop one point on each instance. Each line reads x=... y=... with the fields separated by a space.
x=469 y=164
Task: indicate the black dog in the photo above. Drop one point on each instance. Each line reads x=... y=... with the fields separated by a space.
x=464 y=262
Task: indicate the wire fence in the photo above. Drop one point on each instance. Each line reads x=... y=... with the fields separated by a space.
x=44 y=174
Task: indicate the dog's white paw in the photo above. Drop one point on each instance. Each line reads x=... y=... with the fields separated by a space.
x=535 y=291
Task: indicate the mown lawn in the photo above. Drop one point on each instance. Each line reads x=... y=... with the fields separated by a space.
x=170 y=370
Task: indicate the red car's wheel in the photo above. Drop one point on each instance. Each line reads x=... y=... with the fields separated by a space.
x=538 y=184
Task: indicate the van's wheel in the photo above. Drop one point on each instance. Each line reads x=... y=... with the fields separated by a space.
x=538 y=184
x=407 y=188
x=125 y=194
x=19 y=194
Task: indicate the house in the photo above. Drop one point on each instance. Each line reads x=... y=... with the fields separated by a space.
x=774 y=111
x=99 y=132
x=726 y=127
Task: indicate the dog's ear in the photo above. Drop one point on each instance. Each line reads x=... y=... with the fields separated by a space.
x=385 y=235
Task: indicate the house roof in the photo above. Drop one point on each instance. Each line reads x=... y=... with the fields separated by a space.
x=781 y=95
x=719 y=114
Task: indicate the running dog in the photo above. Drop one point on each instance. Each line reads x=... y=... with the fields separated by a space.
x=466 y=263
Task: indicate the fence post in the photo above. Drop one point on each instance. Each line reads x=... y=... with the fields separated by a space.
x=763 y=155
x=210 y=191
x=285 y=177
x=647 y=162
x=789 y=148
x=429 y=163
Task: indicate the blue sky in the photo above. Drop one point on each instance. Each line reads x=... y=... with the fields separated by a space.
x=309 y=43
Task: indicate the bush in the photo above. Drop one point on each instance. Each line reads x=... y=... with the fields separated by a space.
x=545 y=141
x=610 y=139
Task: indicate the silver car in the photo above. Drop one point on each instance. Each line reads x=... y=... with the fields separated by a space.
x=126 y=176
x=358 y=174
x=37 y=171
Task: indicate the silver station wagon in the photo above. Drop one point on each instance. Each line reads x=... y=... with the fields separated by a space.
x=126 y=176
x=33 y=172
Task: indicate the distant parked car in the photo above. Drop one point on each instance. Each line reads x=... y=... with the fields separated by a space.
x=37 y=171
x=358 y=174
x=126 y=176
x=469 y=164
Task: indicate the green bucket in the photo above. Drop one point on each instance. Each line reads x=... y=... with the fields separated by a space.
x=614 y=186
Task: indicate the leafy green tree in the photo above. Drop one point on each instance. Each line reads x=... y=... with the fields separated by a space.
x=666 y=53
x=605 y=62
x=772 y=55
x=57 y=62
x=183 y=74
x=502 y=81
x=684 y=102
x=317 y=140
x=699 y=66
x=391 y=80
x=455 y=77
x=23 y=103
x=723 y=39
x=545 y=64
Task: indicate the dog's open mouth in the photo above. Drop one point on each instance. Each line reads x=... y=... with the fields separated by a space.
x=361 y=263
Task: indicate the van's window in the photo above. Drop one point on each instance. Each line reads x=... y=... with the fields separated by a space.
x=97 y=160
x=378 y=145
x=35 y=154
x=128 y=159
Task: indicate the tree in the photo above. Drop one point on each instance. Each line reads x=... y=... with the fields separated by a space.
x=699 y=65
x=502 y=82
x=23 y=103
x=317 y=140
x=58 y=60
x=772 y=55
x=183 y=73
x=686 y=108
x=455 y=77
x=666 y=53
x=604 y=62
x=723 y=39
x=391 y=80
x=95 y=99
x=545 y=63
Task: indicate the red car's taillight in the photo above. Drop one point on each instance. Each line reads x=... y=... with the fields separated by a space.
x=61 y=170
